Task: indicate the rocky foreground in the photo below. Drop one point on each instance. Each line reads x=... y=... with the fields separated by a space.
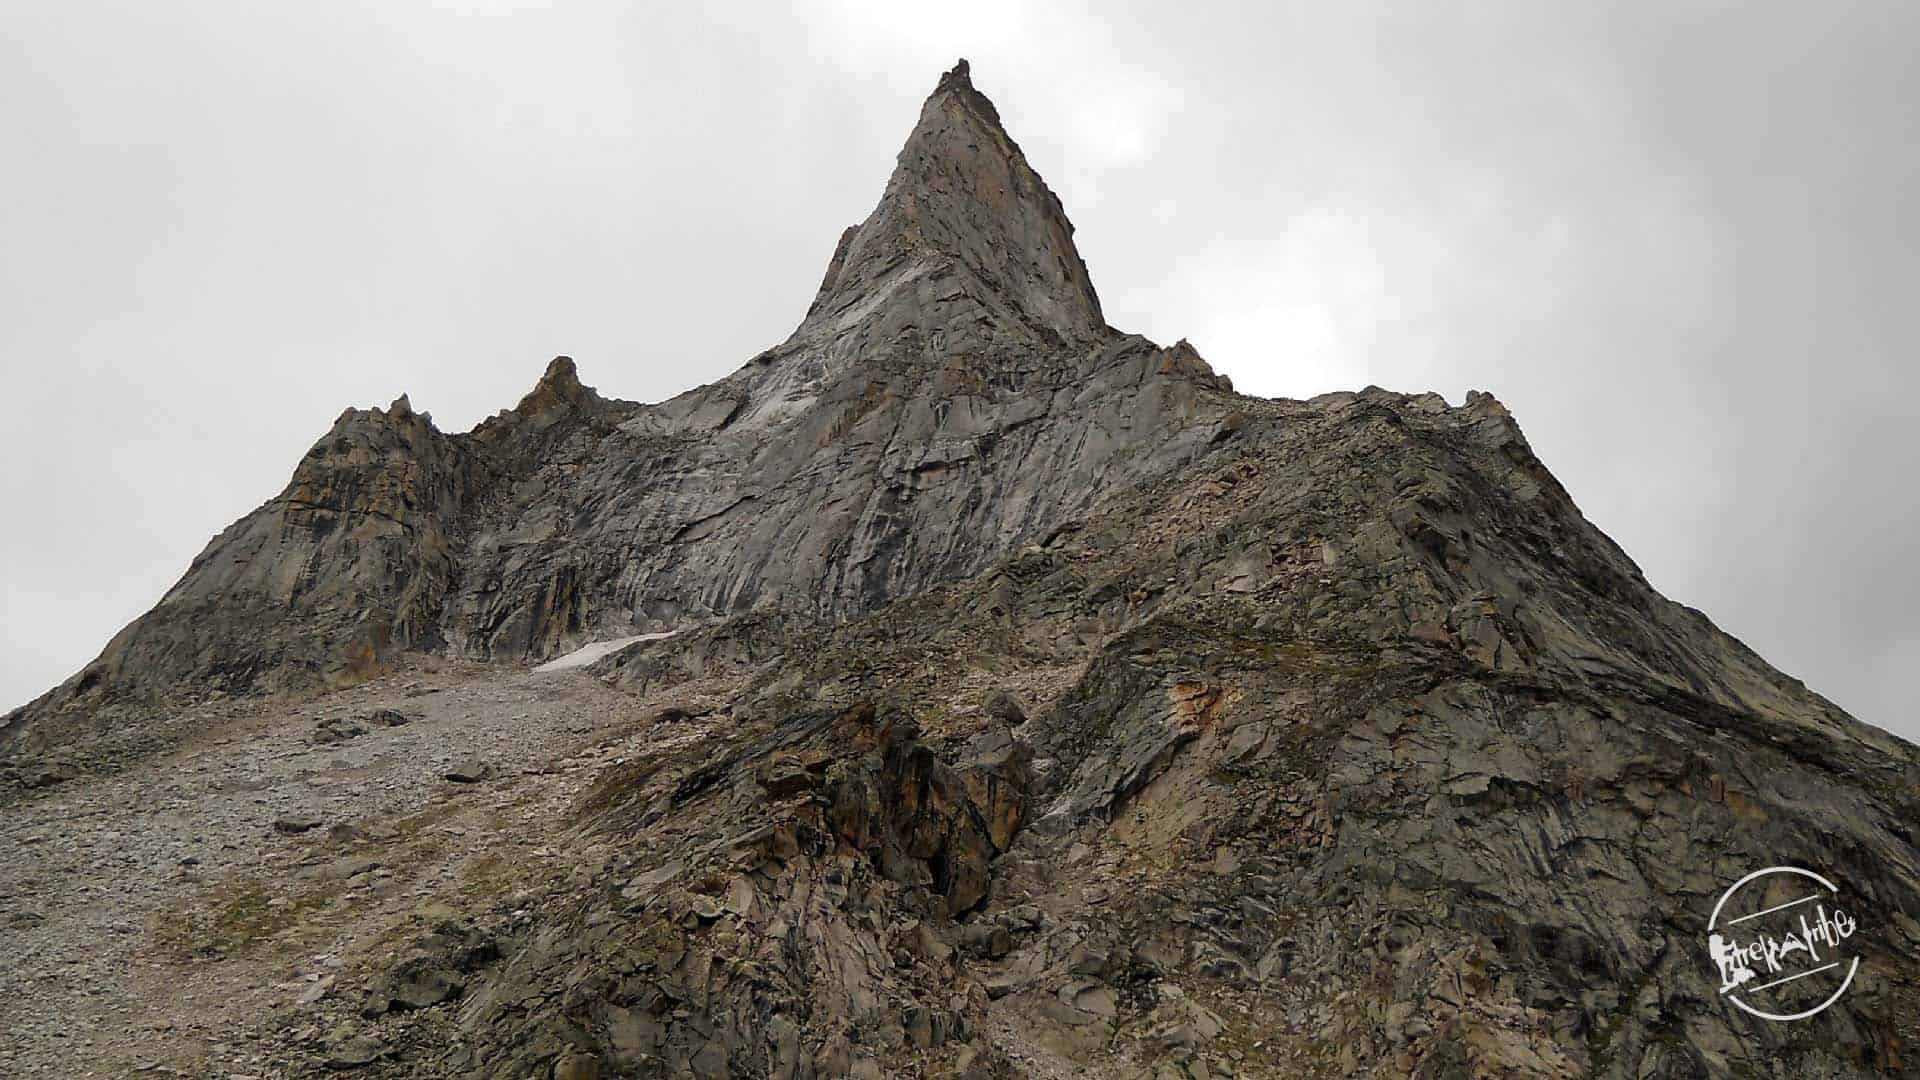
x=1033 y=706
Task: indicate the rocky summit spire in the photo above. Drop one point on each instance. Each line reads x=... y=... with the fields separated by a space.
x=965 y=223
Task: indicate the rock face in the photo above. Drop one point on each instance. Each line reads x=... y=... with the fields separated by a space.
x=1059 y=711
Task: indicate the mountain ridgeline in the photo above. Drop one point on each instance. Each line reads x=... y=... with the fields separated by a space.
x=1085 y=714
x=952 y=395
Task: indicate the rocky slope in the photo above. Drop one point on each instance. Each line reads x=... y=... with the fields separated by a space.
x=1035 y=706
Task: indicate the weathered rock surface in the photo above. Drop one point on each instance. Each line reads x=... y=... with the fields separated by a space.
x=1037 y=707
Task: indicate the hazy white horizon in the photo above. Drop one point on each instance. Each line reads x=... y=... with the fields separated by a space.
x=1679 y=241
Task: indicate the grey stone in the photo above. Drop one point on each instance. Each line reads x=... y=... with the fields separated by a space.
x=470 y=771
x=356 y=1053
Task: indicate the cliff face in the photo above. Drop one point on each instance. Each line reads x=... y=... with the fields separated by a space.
x=324 y=582
x=1082 y=715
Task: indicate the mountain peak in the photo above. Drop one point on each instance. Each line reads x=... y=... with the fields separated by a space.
x=958 y=82
x=965 y=223
x=976 y=617
x=960 y=77
x=558 y=390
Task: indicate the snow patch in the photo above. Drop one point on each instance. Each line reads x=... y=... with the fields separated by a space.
x=587 y=654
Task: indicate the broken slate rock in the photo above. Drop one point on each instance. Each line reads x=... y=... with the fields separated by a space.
x=1006 y=708
x=356 y=1052
x=471 y=771
x=336 y=729
x=422 y=989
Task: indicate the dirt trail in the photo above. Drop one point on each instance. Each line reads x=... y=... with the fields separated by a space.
x=154 y=920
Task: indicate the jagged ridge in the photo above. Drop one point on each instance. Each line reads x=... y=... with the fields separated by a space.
x=953 y=394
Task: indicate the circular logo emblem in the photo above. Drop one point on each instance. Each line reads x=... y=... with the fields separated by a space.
x=1779 y=939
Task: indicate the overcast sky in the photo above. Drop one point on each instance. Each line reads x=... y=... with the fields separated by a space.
x=1679 y=240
